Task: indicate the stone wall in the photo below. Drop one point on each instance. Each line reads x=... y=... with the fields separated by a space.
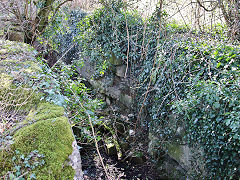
x=173 y=156
x=114 y=85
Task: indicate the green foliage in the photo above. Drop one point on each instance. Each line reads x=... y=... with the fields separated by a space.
x=52 y=136
x=197 y=87
x=104 y=33
x=62 y=32
x=45 y=129
x=51 y=84
x=190 y=83
x=211 y=114
x=62 y=87
x=25 y=164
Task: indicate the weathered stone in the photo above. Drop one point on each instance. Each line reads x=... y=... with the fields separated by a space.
x=137 y=157
x=3 y=51
x=114 y=86
x=121 y=70
x=108 y=101
x=177 y=157
x=181 y=153
x=111 y=149
x=45 y=129
x=114 y=92
x=124 y=145
x=115 y=61
x=75 y=162
x=15 y=35
x=137 y=160
x=126 y=100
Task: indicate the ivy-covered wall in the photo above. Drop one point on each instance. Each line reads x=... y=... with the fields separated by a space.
x=187 y=85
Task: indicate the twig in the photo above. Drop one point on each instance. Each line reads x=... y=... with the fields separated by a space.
x=128 y=47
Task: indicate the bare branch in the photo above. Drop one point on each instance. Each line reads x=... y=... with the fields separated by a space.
x=208 y=10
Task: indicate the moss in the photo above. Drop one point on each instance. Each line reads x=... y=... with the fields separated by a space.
x=45 y=111
x=24 y=66
x=17 y=56
x=6 y=81
x=175 y=150
x=16 y=47
x=51 y=136
x=3 y=51
x=16 y=71
x=47 y=130
x=19 y=98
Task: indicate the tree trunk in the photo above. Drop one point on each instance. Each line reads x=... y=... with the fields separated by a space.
x=231 y=14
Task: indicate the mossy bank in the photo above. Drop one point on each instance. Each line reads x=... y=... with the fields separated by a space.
x=37 y=145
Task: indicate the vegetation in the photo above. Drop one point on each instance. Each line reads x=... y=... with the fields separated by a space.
x=191 y=82
x=31 y=16
x=186 y=85
x=36 y=146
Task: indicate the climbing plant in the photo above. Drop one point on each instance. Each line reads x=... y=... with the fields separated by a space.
x=189 y=86
x=183 y=82
x=196 y=86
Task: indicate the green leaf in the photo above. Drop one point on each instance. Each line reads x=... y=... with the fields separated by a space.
x=228 y=121
x=13 y=158
x=216 y=105
x=17 y=168
x=89 y=112
x=33 y=176
x=218 y=65
x=11 y=176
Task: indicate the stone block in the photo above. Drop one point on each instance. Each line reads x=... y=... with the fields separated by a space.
x=115 y=61
x=121 y=70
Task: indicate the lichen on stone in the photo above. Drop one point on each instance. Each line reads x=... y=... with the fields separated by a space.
x=6 y=80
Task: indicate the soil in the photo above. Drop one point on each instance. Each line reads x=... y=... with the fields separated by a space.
x=126 y=167
x=118 y=169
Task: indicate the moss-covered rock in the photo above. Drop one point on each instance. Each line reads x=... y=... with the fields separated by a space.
x=44 y=130
x=18 y=67
x=52 y=136
x=45 y=111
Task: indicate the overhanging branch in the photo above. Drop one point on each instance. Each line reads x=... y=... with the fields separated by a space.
x=208 y=10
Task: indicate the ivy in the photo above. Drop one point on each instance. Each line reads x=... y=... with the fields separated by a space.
x=200 y=88
x=191 y=83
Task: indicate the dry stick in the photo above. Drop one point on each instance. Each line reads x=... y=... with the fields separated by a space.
x=142 y=48
x=63 y=55
x=25 y=101
x=96 y=143
x=149 y=84
x=208 y=10
x=183 y=7
x=93 y=132
x=58 y=7
x=44 y=76
x=181 y=13
x=174 y=86
x=89 y=117
x=128 y=47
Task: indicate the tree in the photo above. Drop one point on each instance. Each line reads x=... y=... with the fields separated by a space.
x=231 y=13
x=32 y=16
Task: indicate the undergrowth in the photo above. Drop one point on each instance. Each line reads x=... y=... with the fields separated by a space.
x=189 y=85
